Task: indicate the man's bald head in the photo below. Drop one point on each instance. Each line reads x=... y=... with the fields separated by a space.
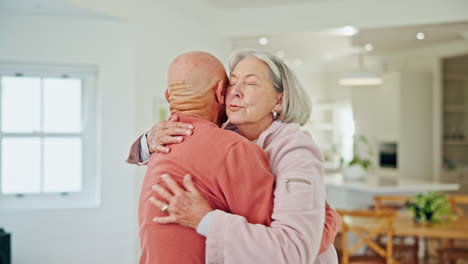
x=198 y=70
x=196 y=84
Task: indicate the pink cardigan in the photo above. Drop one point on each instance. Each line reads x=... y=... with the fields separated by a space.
x=299 y=208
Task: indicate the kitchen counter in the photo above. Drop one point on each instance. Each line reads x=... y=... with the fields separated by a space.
x=387 y=186
x=344 y=194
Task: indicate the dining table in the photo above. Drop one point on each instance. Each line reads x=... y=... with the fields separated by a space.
x=405 y=226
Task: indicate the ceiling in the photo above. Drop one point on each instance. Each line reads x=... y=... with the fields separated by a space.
x=318 y=48
x=395 y=38
x=313 y=46
x=300 y=48
x=229 y=4
x=47 y=7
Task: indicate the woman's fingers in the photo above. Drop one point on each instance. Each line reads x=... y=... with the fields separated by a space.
x=186 y=207
x=183 y=125
x=159 y=204
x=170 y=140
x=174 y=118
x=162 y=192
x=166 y=133
x=170 y=219
x=177 y=131
x=173 y=186
x=162 y=149
x=189 y=185
x=169 y=124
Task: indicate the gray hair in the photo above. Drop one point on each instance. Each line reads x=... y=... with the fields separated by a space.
x=296 y=104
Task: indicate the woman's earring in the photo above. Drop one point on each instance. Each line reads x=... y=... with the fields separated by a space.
x=275 y=115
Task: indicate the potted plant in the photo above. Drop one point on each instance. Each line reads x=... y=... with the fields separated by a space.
x=431 y=207
x=358 y=167
x=332 y=158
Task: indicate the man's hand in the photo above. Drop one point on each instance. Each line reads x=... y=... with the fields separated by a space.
x=167 y=133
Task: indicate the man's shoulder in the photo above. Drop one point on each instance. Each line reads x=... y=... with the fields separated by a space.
x=226 y=137
x=226 y=142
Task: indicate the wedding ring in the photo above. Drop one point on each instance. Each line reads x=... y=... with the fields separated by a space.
x=164 y=208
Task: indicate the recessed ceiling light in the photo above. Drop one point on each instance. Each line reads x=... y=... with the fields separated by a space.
x=346 y=31
x=420 y=35
x=349 y=31
x=368 y=47
x=263 y=41
x=280 y=53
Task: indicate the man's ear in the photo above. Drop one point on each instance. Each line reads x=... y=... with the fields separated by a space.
x=220 y=91
x=166 y=93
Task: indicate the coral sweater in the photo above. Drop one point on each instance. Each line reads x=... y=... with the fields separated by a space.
x=230 y=171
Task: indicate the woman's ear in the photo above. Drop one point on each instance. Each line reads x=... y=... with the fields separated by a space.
x=220 y=91
x=279 y=104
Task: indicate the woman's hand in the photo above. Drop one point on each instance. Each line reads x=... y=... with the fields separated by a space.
x=185 y=207
x=166 y=133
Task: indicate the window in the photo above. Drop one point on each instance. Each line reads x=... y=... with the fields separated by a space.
x=48 y=132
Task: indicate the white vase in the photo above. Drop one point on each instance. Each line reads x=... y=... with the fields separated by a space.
x=354 y=172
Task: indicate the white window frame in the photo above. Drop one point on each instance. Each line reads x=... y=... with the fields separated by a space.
x=89 y=197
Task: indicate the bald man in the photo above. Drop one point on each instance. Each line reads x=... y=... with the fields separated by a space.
x=229 y=170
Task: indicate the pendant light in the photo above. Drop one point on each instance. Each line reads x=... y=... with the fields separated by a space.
x=361 y=77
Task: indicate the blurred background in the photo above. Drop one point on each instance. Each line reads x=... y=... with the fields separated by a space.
x=81 y=79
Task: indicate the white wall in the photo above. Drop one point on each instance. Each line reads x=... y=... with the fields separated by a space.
x=133 y=57
x=416 y=124
x=97 y=235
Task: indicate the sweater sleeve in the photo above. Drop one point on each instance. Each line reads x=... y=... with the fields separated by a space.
x=248 y=185
x=139 y=152
x=134 y=154
x=298 y=214
x=331 y=228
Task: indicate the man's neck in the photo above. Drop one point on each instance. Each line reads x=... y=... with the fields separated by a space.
x=183 y=100
x=213 y=118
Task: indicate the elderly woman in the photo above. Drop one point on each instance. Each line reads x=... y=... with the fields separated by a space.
x=266 y=104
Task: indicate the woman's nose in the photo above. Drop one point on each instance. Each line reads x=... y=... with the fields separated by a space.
x=236 y=89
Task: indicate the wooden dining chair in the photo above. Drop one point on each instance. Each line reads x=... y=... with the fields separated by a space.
x=450 y=253
x=390 y=202
x=373 y=223
x=404 y=251
x=456 y=201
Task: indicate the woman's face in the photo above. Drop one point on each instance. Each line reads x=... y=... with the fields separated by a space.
x=251 y=97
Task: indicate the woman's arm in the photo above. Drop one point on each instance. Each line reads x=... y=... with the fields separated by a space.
x=157 y=138
x=298 y=214
x=298 y=218
x=331 y=228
